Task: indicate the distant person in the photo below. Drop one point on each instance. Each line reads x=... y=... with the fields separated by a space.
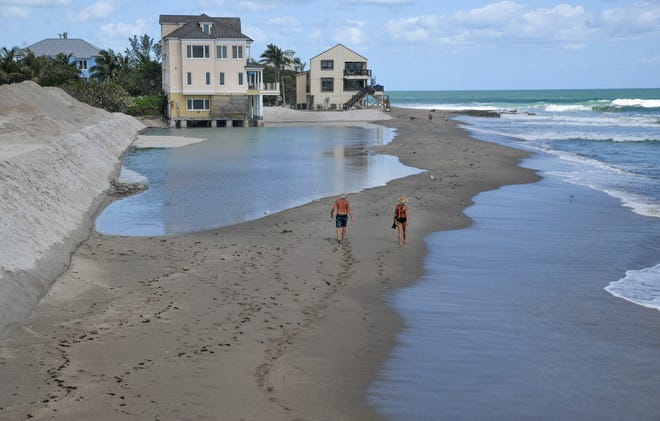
x=430 y=116
x=445 y=118
x=343 y=209
x=401 y=218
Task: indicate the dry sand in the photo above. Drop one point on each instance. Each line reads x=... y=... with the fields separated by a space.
x=266 y=320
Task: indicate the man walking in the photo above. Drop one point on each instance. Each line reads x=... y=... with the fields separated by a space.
x=343 y=209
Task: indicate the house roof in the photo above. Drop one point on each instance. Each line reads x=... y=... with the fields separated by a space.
x=252 y=64
x=189 y=28
x=336 y=46
x=51 y=47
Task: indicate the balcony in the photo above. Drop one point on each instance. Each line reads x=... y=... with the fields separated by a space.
x=358 y=74
x=264 y=88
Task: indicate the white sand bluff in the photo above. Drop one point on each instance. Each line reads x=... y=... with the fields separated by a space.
x=56 y=155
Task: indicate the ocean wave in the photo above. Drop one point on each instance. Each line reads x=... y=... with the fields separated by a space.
x=562 y=108
x=644 y=103
x=630 y=105
x=549 y=134
x=609 y=179
x=641 y=287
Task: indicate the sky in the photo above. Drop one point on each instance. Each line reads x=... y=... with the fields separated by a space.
x=409 y=44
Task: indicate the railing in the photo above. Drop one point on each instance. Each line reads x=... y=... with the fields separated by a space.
x=265 y=87
x=364 y=72
x=367 y=90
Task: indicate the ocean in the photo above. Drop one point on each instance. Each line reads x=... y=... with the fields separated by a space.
x=546 y=307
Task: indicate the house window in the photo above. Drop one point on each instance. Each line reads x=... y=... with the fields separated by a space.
x=82 y=64
x=327 y=64
x=240 y=78
x=327 y=84
x=353 y=85
x=208 y=78
x=237 y=51
x=197 y=51
x=198 y=104
x=221 y=79
x=189 y=78
x=355 y=66
x=206 y=28
x=221 y=51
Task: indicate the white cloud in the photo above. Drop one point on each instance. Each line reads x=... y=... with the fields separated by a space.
x=253 y=6
x=99 y=10
x=115 y=35
x=564 y=25
x=15 y=12
x=286 y=24
x=649 y=60
x=413 y=29
x=22 y=9
x=382 y=2
x=496 y=14
x=35 y=3
x=637 y=20
x=351 y=34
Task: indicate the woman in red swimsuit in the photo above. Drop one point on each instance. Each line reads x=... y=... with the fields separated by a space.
x=401 y=218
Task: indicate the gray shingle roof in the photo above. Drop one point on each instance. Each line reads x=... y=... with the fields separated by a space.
x=51 y=47
x=221 y=27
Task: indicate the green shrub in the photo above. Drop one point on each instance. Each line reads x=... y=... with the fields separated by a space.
x=148 y=105
x=107 y=95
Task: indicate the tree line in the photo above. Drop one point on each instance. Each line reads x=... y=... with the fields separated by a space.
x=129 y=82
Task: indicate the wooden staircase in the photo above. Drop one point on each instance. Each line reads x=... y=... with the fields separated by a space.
x=367 y=90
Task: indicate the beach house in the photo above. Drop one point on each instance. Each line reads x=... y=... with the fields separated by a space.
x=208 y=75
x=338 y=79
x=80 y=51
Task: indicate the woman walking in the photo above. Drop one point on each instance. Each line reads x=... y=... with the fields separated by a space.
x=401 y=218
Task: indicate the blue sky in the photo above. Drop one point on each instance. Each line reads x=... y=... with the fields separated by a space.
x=410 y=44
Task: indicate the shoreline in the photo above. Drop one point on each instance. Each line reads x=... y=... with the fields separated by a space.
x=271 y=315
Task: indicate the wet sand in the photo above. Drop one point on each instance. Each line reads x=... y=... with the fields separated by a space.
x=266 y=320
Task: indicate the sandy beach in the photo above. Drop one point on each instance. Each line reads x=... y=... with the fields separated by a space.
x=266 y=320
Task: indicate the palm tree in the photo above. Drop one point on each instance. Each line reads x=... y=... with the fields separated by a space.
x=31 y=66
x=298 y=64
x=107 y=66
x=60 y=70
x=275 y=57
x=9 y=67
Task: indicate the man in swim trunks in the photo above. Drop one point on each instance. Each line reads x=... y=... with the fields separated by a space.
x=343 y=209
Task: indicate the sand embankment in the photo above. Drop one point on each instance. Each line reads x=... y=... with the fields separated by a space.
x=56 y=155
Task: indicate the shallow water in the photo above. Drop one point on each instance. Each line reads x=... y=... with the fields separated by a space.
x=511 y=320
x=239 y=175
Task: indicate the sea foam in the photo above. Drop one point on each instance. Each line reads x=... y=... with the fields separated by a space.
x=644 y=103
x=639 y=286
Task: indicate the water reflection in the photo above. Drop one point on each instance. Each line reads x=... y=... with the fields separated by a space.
x=242 y=174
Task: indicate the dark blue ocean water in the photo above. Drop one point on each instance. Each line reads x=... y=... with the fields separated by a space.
x=521 y=316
